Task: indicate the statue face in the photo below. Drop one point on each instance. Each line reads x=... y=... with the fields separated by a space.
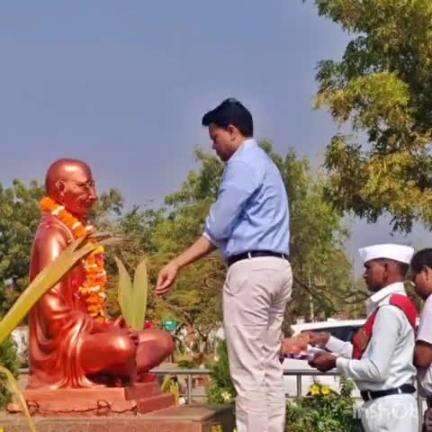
x=77 y=191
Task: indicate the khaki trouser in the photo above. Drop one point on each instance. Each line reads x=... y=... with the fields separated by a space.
x=395 y=413
x=255 y=294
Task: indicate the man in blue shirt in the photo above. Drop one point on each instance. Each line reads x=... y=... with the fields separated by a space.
x=249 y=223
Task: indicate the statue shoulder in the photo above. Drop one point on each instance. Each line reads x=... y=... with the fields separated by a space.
x=52 y=230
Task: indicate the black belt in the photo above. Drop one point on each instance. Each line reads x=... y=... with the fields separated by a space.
x=374 y=394
x=255 y=253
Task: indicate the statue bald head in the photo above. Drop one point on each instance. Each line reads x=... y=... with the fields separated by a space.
x=70 y=183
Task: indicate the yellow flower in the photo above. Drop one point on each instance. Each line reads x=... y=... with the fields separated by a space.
x=226 y=396
x=325 y=390
x=315 y=390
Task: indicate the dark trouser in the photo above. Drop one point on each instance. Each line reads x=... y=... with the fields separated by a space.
x=427 y=417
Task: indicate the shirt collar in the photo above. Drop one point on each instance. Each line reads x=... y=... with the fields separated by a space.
x=381 y=297
x=245 y=144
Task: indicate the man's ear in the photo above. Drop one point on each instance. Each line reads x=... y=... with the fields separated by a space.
x=387 y=268
x=60 y=186
x=232 y=130
x=428 y=273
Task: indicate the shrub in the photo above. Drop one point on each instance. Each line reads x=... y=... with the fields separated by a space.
x=8 y=359
x=221 y=390
x=324 y=410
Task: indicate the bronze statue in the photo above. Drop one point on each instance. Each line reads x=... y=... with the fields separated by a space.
x=72 y=343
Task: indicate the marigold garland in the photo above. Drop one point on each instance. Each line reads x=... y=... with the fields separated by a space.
x=94 y=286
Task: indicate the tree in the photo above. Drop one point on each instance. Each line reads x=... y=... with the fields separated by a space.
x=382 y=86
x=19 y=217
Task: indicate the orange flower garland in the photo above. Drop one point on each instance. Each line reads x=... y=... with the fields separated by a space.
x=94 y=286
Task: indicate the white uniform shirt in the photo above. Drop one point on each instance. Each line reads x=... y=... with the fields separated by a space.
x=425 y=334
x=388 y=359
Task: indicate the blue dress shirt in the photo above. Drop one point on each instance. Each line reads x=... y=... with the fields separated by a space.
x=251 y=211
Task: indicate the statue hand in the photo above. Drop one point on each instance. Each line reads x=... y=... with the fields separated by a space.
x=166 y=278
x=134 y=335
x=119 y=322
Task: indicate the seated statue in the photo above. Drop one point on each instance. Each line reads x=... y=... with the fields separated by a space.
x=73 y=344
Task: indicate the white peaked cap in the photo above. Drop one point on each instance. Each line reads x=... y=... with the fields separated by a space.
x=394 y=252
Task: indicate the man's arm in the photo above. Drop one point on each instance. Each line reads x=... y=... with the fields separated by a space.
x=423 y=348
x=168 y=274
x=238 y=184
x=326 y=341
x=375 y=367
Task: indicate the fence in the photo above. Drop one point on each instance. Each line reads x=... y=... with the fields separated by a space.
x=190 y=373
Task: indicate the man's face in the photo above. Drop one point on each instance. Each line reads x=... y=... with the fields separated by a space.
x=222 y=141
x=375 y=274
x=78 y=191
x=423 y=282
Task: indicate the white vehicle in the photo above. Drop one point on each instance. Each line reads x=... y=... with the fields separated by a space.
x=343 y=330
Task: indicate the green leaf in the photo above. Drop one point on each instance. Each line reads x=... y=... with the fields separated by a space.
x=139 y=296
x=125 y=290
x=13 y=387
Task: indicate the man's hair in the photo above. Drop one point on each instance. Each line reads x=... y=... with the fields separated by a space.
x=230 y=111
x=422 y=258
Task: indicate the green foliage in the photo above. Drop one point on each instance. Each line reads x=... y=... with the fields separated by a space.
x=221 y=390
x=132 y=297
x=19 y=217
x=8 y=359
x=185 y=361
x=323 y=410
x=382 y=87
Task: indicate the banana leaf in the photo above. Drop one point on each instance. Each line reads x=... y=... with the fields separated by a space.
x=125 y=292
x=140 y=291
x=13 y=387
x=132 y=297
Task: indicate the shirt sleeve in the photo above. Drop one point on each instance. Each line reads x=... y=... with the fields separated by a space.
x=339 y=347
x=238 y=185
x=425 y=326
x=389 y=323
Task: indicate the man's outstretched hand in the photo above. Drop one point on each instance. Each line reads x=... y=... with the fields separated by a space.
x=166 y=278
x=323 y=362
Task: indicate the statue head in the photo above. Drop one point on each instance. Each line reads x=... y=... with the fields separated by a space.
x=70 y=183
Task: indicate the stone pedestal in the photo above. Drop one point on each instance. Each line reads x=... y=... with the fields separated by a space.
x=189 y=418
x=140 y=398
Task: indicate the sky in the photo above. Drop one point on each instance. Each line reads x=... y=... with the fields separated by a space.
x=123 y=86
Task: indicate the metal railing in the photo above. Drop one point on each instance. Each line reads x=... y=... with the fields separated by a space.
x=298 y=373
x=190 y=373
